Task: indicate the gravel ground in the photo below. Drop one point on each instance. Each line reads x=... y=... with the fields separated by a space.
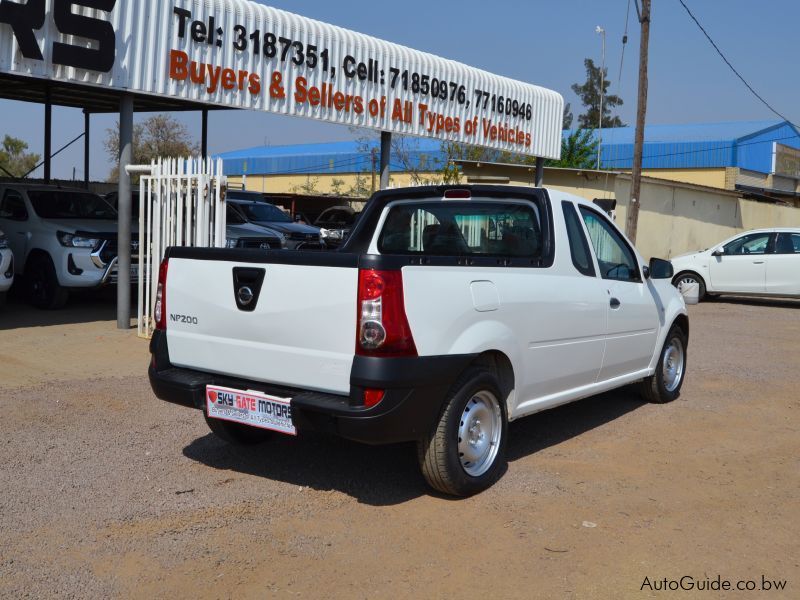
x=108 y=492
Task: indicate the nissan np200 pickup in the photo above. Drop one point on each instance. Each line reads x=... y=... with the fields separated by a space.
x=449 y=312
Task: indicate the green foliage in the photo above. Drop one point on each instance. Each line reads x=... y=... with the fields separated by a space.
x=361 y=187
x=566 y=122
x=159 y=136
x=309 y=187
x=14 y=160
x=578 y=151
x=337 y=186
x=589 y=93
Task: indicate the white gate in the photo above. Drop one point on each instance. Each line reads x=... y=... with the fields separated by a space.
x=182 y=203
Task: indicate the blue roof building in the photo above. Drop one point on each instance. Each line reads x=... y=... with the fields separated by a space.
x=756 y=157
x=743 y=144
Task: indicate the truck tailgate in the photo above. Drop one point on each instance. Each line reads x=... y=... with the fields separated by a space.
x=301 y=332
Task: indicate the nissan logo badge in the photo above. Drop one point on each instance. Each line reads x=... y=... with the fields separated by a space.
x=245 y=295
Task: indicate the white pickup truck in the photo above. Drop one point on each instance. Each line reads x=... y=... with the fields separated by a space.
x=449 y=312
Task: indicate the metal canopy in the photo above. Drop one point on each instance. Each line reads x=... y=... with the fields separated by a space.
x=90 y=99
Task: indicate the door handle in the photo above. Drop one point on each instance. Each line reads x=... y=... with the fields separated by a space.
x=615 y=303
x=758 y=262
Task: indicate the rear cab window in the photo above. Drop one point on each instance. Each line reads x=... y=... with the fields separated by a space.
x=474 y=228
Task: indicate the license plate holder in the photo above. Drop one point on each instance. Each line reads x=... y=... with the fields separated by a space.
x=250 y=407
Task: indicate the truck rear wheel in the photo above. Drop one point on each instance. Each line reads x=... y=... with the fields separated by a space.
x=236 y=434
x=466 y=451
x=41 y=282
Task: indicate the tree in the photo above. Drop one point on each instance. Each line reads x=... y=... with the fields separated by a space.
x=589 y=93
x=566 y=122
x=337 y=186
x=578 y=151
x=14 y=160
x=159 y=136
x=309 y=188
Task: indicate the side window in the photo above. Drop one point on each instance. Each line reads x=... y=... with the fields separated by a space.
x=578 y=246
x=755 y=243
x=787 y=243
x=615 y=258
x=233 y=216
x=13 y=207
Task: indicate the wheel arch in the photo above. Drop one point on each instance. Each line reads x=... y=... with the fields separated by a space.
x=682 y=321
x=680 y=274
x=500 y=364
x=36 y=254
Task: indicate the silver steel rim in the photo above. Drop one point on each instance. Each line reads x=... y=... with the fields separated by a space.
x=479 y=433
x=688 y=279
x=672 y=365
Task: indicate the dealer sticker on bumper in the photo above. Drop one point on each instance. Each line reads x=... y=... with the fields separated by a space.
x=250 y=408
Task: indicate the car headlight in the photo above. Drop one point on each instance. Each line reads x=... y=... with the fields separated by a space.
x=3 y=241
x=76 y=241
x=232 y=242
x=330 y=234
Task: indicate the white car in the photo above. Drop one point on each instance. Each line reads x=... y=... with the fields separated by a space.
x=762 y=262
x=62 y=238
x=6 y=267
x=447 y=313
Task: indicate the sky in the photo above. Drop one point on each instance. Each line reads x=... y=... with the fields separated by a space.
x=544 y=43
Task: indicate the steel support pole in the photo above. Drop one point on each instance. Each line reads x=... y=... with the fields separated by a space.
x=48 y=133
x=124 y=216
x=539 y=171
x=204 y=134
x=86 y=122
x=386 y=153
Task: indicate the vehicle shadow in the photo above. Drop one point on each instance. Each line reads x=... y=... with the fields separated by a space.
x=751 y=301
x=388 y=475
x=82 y=307
x=552 y=427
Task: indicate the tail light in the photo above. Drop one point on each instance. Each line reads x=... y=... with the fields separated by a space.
x=160 y=311
x=383 y=328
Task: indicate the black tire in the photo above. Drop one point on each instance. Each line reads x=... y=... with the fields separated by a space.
x=665 y=384
x=41 y=284
x=443 y=465
x=237 y=434
x=689 y=277
x=3 y=298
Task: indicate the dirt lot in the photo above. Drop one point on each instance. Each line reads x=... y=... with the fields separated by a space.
x=108 y=492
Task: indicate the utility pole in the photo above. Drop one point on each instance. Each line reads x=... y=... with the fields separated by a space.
x=632 y=222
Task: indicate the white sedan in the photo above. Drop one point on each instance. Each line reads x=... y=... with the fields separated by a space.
x=762 y=262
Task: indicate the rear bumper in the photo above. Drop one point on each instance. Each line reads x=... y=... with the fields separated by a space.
x=415 y=389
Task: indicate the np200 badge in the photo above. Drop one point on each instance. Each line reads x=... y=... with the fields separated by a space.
x=183 y=319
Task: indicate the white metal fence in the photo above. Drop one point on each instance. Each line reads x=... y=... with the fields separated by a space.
x=182 y=203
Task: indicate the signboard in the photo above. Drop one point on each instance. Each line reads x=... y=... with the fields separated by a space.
x=242 y=54
x=786 y=161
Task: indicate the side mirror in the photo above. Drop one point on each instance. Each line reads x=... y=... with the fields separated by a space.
x=718 y=252
x=661 y=269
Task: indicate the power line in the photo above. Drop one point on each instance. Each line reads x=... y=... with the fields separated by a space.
x=622 y=54
x=727 y=62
